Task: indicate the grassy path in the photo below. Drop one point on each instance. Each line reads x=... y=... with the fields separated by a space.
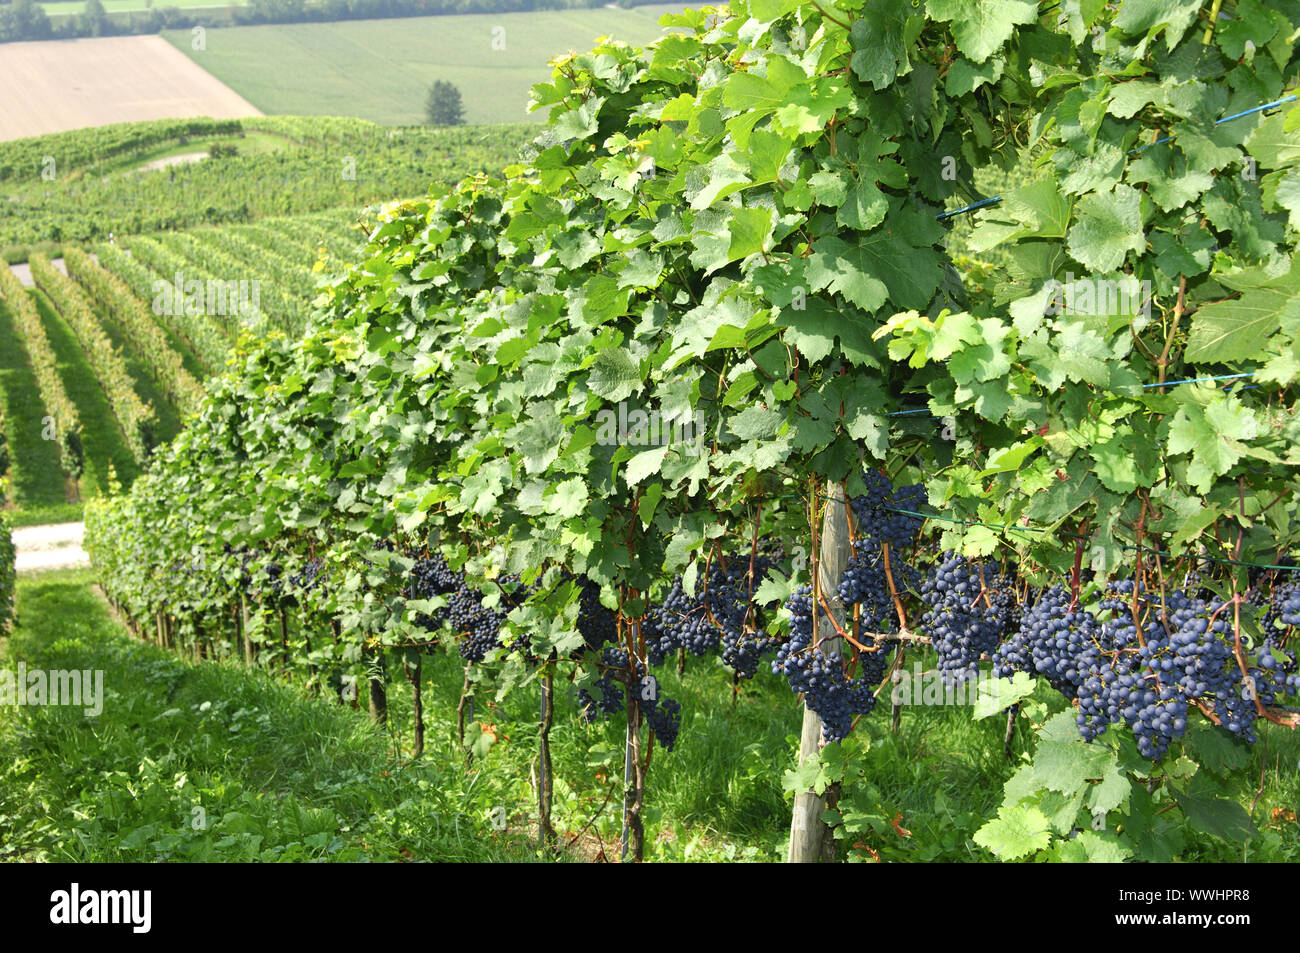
x=167 y=420
x=39 y=482
x=213 y=761
x=201 y=762
x=101 y=437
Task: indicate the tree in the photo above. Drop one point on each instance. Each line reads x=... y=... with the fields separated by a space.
x=31 y=20
x=444 y=106
x=94 y=20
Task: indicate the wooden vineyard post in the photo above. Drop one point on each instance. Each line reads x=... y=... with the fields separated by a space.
x=633 y=840
x=415 y=675
x=243 y=628
x=465 y=713
x=810 y=838
x=545 y=783
x=284 y=638
x=378 y=694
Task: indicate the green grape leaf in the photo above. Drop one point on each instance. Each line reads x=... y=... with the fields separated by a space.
x=1239 y=330
x=1108 y=227
x=1016 y=832
x=980 y=27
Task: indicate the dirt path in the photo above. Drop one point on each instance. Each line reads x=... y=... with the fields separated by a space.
x=23 y=272
x=57 y=546
x=167 y=161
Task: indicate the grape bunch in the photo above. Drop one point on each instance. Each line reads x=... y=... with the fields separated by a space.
x=1053 y=640
x=479 y=625
x=728 y=600
x=662 y=714
x=431 y=576
x=1185 y=657
x=308 y=577
x=597 y=625
x=969 y=609
x=679 y=621
x=610 y=701
x=877 y=511
x=1286 y=597
x=274 y=574
x=865 y=585
x=820 y=677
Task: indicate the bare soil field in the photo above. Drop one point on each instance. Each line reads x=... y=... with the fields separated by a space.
x=71 y=84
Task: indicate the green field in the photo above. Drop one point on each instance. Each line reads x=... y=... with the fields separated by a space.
x=380 y=69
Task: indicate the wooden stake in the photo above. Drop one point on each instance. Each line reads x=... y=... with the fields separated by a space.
x=810 y=838
x=545 y=785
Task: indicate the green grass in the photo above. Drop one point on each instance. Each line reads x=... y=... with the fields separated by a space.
x=167 y=420
x=381 y=69
x=101 y=437
x=39 y=480
x=281 y=776
x=205 y=762
x=52 y=513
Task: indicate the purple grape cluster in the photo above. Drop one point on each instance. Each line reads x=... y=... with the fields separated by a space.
x=820 y=677
x=308 y=577
x=679 y=621
x=728 y=599
x=618 y=671
x=969 y=609
x=877 y=511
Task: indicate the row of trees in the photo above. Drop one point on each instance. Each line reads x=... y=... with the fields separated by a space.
x=27 y=20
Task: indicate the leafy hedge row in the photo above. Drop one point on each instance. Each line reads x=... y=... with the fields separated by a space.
x=201 y=255
x=116 y=302
x=347 y=163
x=6 y=530
x=135 y=417
x=79 y=149
x=8 y=577
x=58 y=405
x=291 y=283
x=740 y=227
x=209 y=345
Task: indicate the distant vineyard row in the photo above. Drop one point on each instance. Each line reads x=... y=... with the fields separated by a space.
x=81 y=186
x=113 y=353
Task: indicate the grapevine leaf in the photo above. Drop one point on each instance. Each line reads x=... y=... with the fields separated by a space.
x=614 y=375
x=1238 y=330
x=1094 y=847
x=980 y=27
x=1068 y=766
x=644 y=464
x=1153 y=16
x=1219 y=816
x=1015 y=832
x=1001 y=693
x=1108 y=227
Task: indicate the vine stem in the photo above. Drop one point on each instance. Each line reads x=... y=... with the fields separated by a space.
x=1138 y=574
x=893 y=590
x=1214 y=18
x=1078 y=564
x=837 y=22
x=1162 y=365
